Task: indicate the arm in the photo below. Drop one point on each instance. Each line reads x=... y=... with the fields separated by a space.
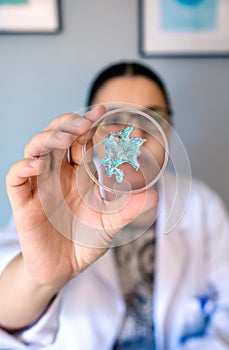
x=22 y=298
x=40 y=188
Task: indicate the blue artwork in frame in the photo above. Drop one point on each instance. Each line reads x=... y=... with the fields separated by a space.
x=188 y=15
x=184 y=28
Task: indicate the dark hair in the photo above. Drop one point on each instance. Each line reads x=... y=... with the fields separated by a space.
x=126 y=69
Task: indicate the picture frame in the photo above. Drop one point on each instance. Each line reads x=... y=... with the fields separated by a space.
x=30 y=16
x=183 y=28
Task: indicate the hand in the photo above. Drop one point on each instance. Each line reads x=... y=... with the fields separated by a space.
x=49 y=211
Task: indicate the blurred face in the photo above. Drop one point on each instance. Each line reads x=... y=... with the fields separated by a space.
x=141 y=91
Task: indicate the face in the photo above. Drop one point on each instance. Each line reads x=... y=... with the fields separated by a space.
x=141 y=91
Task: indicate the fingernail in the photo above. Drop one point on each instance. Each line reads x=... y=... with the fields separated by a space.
x=34 y=163
x=79 y=121
x=96 y=109
x=95 y=112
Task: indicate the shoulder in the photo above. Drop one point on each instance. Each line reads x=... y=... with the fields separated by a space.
x=198 y=191
x=196 y=200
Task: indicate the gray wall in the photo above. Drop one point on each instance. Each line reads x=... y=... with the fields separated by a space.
x=44 y=76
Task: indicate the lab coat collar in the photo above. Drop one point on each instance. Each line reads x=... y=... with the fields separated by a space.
x=172 y=256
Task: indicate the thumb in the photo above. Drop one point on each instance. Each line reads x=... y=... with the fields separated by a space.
x=137 y=204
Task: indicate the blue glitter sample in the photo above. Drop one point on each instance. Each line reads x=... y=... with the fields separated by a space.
x=120 y=148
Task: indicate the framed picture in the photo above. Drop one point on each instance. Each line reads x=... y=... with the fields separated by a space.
x=30 y=16
x=179 y=28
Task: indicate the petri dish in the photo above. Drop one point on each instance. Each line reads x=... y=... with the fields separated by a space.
x=152 y=157
x=126 y=150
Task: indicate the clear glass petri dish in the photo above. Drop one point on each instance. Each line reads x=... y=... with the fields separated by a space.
x=126 y=150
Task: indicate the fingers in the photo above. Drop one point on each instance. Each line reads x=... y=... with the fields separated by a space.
x=75 y=123
x=53 y=124
x=45 y=142
x=18 y=179
x=52 y=143
x=89 y=118
x=61 y=133
x=71 y=123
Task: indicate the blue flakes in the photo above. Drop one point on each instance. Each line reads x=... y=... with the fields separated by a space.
x=120 y=148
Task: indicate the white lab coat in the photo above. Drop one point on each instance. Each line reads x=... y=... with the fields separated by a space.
x=88 y=312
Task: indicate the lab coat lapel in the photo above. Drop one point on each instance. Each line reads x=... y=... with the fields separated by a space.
x=171 y=264
x=170 y=271
x=106 y=271
x=97 y=311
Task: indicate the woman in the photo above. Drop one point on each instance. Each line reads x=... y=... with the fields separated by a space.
x=71 y=296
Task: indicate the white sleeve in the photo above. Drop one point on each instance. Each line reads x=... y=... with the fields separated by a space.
x=44 y=331
x=216 y=226
x=40 y=334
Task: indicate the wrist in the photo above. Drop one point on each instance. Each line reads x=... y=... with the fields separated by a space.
x=31 y=300
x=47 y=287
